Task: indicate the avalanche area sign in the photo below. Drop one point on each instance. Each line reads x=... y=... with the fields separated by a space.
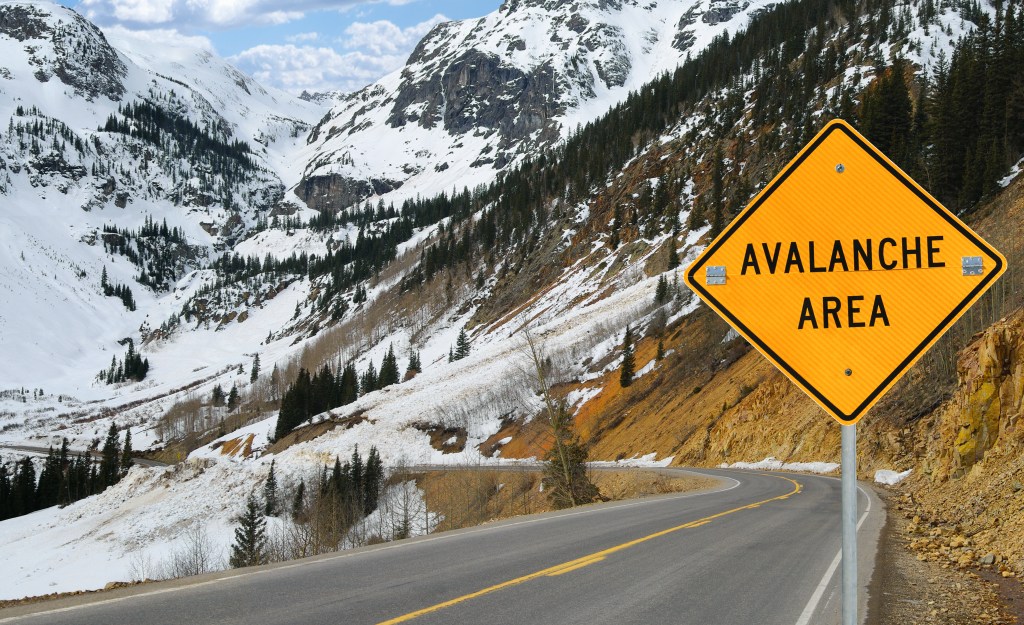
x=843 y=271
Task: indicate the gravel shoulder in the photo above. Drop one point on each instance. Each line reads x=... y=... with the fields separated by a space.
x=910 y=588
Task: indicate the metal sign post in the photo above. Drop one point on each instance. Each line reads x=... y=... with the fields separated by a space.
x=849 y=468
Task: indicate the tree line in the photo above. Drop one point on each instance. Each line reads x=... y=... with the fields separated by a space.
x=132 y=368
x=312 y=394
x=163 y=128
x=121 y=291
x=338 y=499
x=161 y=253
x=64 y=478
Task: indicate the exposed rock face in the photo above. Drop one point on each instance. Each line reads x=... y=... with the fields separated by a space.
x=684 y=35
x=334 y=192
x=81 y=57
x=478 y=90
x=989 y=409
x=482 y=92
x=723 y=11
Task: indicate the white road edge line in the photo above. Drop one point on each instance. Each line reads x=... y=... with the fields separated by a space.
x=396 y=545
x=812 y=604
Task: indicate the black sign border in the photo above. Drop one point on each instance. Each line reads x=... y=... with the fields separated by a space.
x=833 y=126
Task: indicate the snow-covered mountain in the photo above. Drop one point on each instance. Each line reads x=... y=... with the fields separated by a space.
x=479 y=95
x=109 y=131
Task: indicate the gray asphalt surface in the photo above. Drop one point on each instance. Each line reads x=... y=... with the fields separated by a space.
x=42 y=451
x=744 y=554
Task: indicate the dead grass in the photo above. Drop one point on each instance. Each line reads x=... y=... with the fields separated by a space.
x=467 y=497
x=618 y=485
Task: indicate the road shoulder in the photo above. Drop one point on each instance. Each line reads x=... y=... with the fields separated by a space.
x=907 y=589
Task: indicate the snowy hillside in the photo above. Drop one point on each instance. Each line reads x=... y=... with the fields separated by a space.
x=479 y=96
x=66 y=172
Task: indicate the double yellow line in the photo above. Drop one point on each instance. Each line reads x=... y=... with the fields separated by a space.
x=579 y=563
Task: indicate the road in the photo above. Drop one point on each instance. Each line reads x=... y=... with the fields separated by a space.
x=760 y=549
x=43 y=451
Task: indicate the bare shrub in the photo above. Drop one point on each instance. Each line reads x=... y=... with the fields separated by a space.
x=195 y=555
x=141 y=566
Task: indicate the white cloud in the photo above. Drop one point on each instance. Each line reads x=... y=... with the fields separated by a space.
x=145 y=11
x=371 y=51
x=149 y=40
x=301 y=37
x=364 y=53
x=189 y=15
x=297 y=68
x=384 y=37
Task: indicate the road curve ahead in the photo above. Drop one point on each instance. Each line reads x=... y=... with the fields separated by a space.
x=760 y=550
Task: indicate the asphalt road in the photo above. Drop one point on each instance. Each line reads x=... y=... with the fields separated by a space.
x=758 y=550
x=43 y=451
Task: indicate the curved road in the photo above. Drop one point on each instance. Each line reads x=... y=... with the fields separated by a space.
x=43 y=451
x=761 y=548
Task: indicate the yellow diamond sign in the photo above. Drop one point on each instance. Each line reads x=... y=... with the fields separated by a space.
x=843 y=271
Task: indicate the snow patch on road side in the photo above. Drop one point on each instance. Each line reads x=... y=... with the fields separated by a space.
x=773 y=464
x=889 y=478
x=647 y=460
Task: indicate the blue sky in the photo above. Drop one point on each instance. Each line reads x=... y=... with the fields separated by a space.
x=295 y=45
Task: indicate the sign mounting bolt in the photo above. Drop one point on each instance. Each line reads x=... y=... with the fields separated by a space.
x=840 y=169
x=848 y=372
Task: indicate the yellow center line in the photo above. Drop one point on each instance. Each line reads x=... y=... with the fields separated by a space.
x=579 y=563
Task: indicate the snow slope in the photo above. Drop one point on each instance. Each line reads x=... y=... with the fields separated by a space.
x=62 y=74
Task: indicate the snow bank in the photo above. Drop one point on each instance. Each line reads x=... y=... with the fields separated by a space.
x=773 y=464
x=647 y=460
x=887 y=477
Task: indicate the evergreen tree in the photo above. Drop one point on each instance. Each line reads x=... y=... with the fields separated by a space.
x=661 y=293
x=661 y=350
x=233 y=398
x=299 y=501
x=628 y=364
x=218 y=395
x=249 y=548
x=717 y=193
x=254 y=373
x=110 y=460
x=369 y=383
x=462 y=346
x=5 y=492
x=126 y=454
x=886 y=115
x=270 y=493
x=48 y=489
x=566 y=480
x=294 y=405
x=388 y=369
x=673 y=254
x=414 y=363
x=64 y=497
x=357 y=475
x=349 y=384
x=23 y=488
x=373 y=481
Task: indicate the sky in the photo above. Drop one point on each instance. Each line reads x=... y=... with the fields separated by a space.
x=294 y=45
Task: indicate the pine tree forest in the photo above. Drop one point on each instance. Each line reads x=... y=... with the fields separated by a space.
x=64 y=477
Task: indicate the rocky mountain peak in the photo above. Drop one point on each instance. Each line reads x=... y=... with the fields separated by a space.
x=476 y=95
x=62 y=44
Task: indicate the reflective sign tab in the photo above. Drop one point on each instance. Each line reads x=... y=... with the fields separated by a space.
x=843 y=271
